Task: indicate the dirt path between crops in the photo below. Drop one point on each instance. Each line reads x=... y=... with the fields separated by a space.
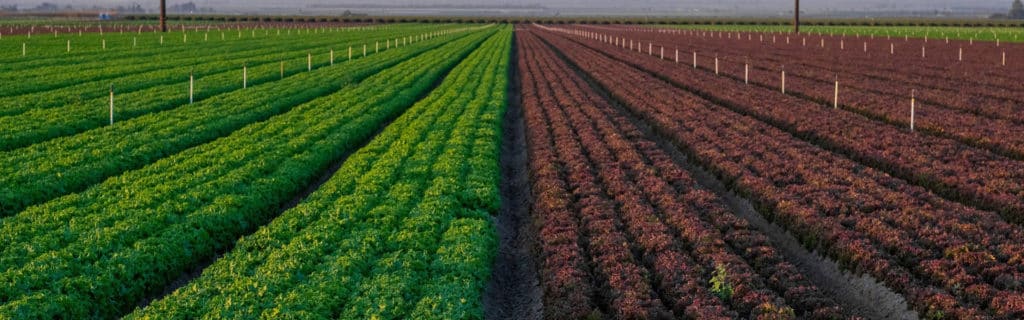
x=514 y=290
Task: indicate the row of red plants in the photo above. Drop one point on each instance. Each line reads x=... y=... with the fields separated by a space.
x=904 y=64
x=990 y=94
x=991 y=120
x=982 y=178
x=576 y=230
x=863 y=218
x=680 y=232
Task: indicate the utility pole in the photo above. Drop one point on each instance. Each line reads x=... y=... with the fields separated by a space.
x=163 y=15
x=796 y=17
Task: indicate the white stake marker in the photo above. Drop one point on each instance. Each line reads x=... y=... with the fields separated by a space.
x=783 y=81
x=835 y=101
x=912 y=103
x=111 y=104
x=746 y=73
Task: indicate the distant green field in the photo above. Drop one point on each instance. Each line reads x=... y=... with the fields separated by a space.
x=963 y=33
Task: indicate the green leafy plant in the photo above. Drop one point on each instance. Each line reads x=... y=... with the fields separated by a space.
x=720 y=285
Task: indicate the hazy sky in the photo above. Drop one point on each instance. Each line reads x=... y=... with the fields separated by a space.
x=603 y=4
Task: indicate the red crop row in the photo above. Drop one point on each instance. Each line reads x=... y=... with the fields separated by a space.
x=982 y=63
x=898 y=77
x=978 y=176
x=945 y=258
x=680 y=232
x=946 y=107
x=576 y=228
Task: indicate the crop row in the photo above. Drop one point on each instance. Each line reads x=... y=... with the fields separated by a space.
x=47 y=50
x=59 y=166
x=120 y=241
x=55 y=86
x=889 y=74
x=402 y=230
x=979 y=177
x=994 y=84
x=56 y=73
x=946 y=259
x=168 y=89
x=634 y=198
x=904 y=64
x=945 y=111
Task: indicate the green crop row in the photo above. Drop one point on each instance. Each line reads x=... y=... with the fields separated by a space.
x=43 y=171
x=127 y=238
x=402 y=230
x=140 y=70
x=50 y=48
x=63 y=118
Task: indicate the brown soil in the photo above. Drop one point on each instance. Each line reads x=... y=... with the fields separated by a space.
x=514 y=290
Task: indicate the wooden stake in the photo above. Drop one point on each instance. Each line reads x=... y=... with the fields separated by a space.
x=309 y=61
x=245 y=76
x=1004 y=58
x=835 y=101
x=191 y=86
x=960 y=56
x=783 y=81
x=912 y=103
x=695 y=59
x=716 y=64
x=69 y=46
x=111 y=104
x=349 y=52
x=746 y=73
x=677 y=56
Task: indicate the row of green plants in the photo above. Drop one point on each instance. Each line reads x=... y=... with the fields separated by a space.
x=75 y=76
x=402 y=230
x=87 y=47
x=46 y=170
x=99 y=253
x=55 y=116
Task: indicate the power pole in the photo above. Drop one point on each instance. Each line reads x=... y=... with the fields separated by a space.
x=163 y=15
x=796 y=17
